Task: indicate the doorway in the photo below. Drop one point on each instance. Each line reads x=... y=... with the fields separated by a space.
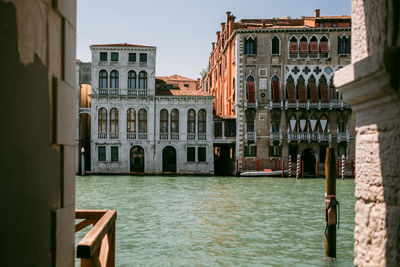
x=308 y=157
x=169 y=159
x=137 y=159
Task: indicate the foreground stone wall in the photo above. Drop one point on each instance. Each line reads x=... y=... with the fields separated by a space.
x=37 y=40
x=371 y=86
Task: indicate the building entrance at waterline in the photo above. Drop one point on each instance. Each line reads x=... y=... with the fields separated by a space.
x=308 y=157
x=169 y=159
x=137 y=159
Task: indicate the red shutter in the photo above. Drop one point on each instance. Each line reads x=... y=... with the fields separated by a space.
x=324 y=47
x=293 y=47
x=302 y=92
x=251 y=94
x=314 y=47
x=303 y=47
x=324 y=92
x=291 y=92
x=275 y=88
x=313 y=92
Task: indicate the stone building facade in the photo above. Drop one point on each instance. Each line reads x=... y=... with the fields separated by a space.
x=274 y=76
x=140 y=125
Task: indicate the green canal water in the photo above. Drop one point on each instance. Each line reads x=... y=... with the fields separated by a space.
x=219 y=221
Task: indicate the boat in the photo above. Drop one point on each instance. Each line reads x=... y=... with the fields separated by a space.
x=264 y=173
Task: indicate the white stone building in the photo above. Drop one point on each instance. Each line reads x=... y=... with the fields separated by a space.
x=137 y=127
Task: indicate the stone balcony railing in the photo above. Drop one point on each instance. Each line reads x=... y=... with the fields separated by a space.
x=333 y=104
x=201 y=136
x=251 y=136
x=276 y=136
x=120 y=92
x=304 y=136
x=191 y=136
x=343 y=137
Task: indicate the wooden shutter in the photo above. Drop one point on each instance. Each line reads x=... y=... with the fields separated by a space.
x=251 y=95
x=291 y=91
x=302 y=92
x=324 y=92
x=276 y=94
x=303 y=47
x=314 y=47
x=324 y=47
x=294 y=47
x=313 y=92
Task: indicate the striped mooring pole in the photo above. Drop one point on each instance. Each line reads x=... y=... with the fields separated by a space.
x=342 y=166
x=298 y=166
x=290 y=166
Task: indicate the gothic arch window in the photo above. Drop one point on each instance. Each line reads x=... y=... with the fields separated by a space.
x=290 y=89
x=132 y=79
x=303 y=123
x=324 y=45
x=343 y=45
x=323 y=91
x=342 y=124
x=301 y=89
x=202 y=121
x=276 y=46
x=131 y=120
x=102 y=120
x=303 y=45
x=312 y=92
x=313 y=123
x=314 y=45
x=174 y=121
x=142 y=121
x=142 y=80
x=250 y=45
x=103 y=79
x=114 y=79
x=114 y=120
x=275 y=92
x=164 y=121
x=293 y=45
x=191 y=127
x=250 y=89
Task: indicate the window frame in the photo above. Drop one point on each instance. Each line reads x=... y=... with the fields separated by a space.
x=143 y=58
x=131 y=120
x=132 y=57
x=201 y=154
x=191 y=152
x=101 y=152
x=113 y=159
x=101 y=54
x=114 y=57
x=114 y=79
x=114 y=122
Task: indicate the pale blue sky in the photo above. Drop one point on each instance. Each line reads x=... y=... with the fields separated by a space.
x=182 y=30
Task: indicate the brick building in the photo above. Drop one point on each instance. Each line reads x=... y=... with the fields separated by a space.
x=274 y=96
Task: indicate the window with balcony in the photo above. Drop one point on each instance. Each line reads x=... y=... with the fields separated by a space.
x=290 y=90
x=114 y=153
x=103 y=56
x=143 y=58
x=312 y=92
x=191 y=122
x=132 y=57
x=324 y=45
x=250 y=115
x=201 y=154
x=132 y=79
x=101 y=156
x=323 y=91
x=174 y=121
x=142 y=80
x=250 y=45
x=343 y=45
x=191 y=154
x=202 y=122
x=275 y=92
x=301 y=90
x=102 y=120
x=293 y=46
x=163 y=124
x=250 y=90
x=114 y=79
x=342 y=124
x=304 y=45
x=323 y=123
x=114 y=56
x=292 y=123
x=142 y=121
x=131 y=121
x=114 y=123
x=103 y=79
x=276 y=46
x=313 y=45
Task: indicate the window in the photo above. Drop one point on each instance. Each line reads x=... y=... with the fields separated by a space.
x=186 y=85
x=201 y=154
x=250 y=90
x=103 y=56
x=323 y=91
x=191 y=154
x=342 y=124
x=114 y=56
x=275 y=92
x=275 y=126
x=275 y=46
x=114 y=79
x=303 y=45
x=234 y=52
x=143 y=57
x=202 y=121
x=164 y=121
x=142 y=80
x=101 y=153
x=290 y=89
x=132 y=57
x=191 y=127
x=131 y=120
x=343 y=45
x=174 y=121
x=275 y=151
x=114 y=153
x=230 y=128
x=114 y=120
x=103 y=79
x=323 y=45
x=250 y=46
x=218 y=129
x=250 y=115
x=293 y=45
x=313 y=45
x=132 y=80
x=142 y=121
x=250 y=151
x=102 y=120
x=312 y=92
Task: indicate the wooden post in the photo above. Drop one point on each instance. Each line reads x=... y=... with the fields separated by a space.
x=330 y=190
x=283 y=167
x=276 y=165
x=258 y=165
x=302 y=169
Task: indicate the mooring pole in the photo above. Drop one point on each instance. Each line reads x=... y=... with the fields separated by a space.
x=302 y=169
x=283 y=167
x=83 y=171
x=330 y=192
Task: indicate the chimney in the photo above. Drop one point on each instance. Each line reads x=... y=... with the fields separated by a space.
x=222 y=26
x=316 y=13
x=231 y=24
x=218 y=35
x=213 y=46
x=228 y=14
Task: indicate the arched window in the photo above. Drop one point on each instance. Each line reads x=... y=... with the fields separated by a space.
x=250 y=45
x=301 y=89
x=290 y=89
x=114 y=120
x=142 y=80
x=102 y=120
x=276 y=46
x=323 y=45
x=114 y=79
x=202 y=121
x=314 y=45
x=312 y=92
x=275 y=121
x=103 y=76
x=323 y=92
x=342 y=124
x=293 y=45
x=131 y=120
x=164 y=121
x=191 y=127
x=132 y=80
x=250 y=90
x=174 y=121
x=275 y=92
x=343 y=45
x=142 y=121
x=303 y=45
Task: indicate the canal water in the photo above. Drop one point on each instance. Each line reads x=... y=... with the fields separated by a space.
x=219 y=221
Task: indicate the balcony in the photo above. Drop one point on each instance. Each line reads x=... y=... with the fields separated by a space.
x=120 y=92
x=102 y=135
x=251 y=136
x=163 y=136
x=278 y=105
x=293 y=55
x=276 y=136
x=250 y=104
x=174 y=136
x=316 y=137
x=299 y=136
x=201 y=136
x=343 y=137
x=333 y=104
x=191 y=136
x=143 y=136
x=97 y=248
x=114 y=135
x=130 y=135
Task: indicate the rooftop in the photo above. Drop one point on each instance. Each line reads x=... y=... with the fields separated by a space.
x=122 y=45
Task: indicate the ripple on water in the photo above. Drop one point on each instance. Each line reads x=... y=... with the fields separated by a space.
x=219 y=221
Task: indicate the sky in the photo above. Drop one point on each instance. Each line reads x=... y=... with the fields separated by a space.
x=182 y=30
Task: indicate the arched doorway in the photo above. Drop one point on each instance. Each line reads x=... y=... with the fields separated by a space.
x=137 y=159
x=308 y=157
x=169 y=159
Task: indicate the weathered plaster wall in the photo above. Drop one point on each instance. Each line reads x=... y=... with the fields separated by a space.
x=37 y=188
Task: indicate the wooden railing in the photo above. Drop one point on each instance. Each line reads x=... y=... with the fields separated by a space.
x=97 y=248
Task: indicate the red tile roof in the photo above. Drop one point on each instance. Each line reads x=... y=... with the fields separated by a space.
x=174 y=86
x=123 y=45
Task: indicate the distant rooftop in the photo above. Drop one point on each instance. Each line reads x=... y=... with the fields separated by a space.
x=174 y=85
x=124 y=45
